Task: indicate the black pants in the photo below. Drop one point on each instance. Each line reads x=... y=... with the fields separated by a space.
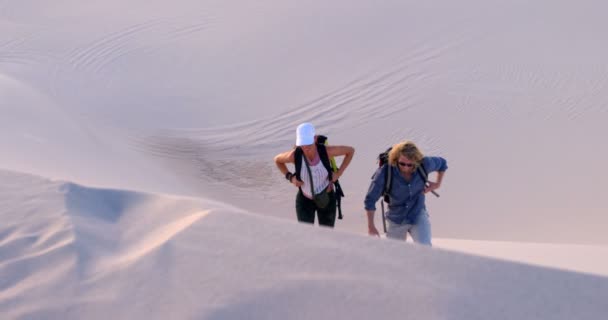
x=306 y=208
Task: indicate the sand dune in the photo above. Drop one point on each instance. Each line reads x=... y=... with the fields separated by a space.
x=136 y=146
x=204 y=94
x=81 y=252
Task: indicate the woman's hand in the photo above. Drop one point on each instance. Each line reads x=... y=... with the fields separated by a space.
x=335 y=176
x=296 y=182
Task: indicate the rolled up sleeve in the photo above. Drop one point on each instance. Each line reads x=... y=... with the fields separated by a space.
x=375 y=189
x=433 y=164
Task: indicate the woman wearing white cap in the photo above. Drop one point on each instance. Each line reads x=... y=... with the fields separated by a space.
x=315 y=178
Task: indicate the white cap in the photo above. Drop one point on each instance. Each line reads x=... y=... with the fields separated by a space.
x=305 y=134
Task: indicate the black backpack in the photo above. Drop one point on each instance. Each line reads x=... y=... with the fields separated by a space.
x=321 y=141
x=388 y=181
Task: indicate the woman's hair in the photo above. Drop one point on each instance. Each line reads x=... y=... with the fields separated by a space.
x=406 y=148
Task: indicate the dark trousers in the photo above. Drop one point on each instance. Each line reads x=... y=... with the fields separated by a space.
x=306 y=208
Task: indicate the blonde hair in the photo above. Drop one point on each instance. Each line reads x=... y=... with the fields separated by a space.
x=406 y=148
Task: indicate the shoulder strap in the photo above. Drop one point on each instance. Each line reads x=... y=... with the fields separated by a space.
x=388 y=176
x=330 y=166
x=322 y=154
x=312 y=188
x=325 y=159
x=423 y=172
x=425 y=177
x=320 y=142
x=321 y=139
x=297 y=157
x=388 y=183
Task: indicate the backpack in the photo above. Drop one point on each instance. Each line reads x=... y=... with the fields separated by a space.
x=388 y=181
x=328 y=163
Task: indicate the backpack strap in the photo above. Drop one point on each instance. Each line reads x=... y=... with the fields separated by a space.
x=325 y=159
x=423 y=172
x=322 y=154
x=425 y=177
x=388 y=177
x=321 y=139
x=388 y=183
x=312 y=188
x=297 y=157
x=388 y=180
x=330 y=165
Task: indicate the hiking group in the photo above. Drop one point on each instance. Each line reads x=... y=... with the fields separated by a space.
x=401 y=179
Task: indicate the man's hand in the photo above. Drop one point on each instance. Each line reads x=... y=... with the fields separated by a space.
x=431 y=186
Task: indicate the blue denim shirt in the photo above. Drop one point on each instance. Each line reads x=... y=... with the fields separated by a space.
x=407 y=198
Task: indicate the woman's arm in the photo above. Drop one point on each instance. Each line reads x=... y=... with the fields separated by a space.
x=335 y=151
x=282 y=158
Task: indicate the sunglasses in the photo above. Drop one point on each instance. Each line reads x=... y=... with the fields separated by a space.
x=409 y=165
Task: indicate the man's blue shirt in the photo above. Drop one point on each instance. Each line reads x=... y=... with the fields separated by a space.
x=407 y=197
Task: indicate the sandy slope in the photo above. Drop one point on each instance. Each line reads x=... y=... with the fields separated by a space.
x=196 y=97
x=73 y=252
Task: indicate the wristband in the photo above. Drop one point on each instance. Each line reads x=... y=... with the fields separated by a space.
x=288 y=176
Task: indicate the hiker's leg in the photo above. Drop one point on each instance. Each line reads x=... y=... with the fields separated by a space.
x=421 y=231
x=327 y=215
x=305 y=208
x=396 y=231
